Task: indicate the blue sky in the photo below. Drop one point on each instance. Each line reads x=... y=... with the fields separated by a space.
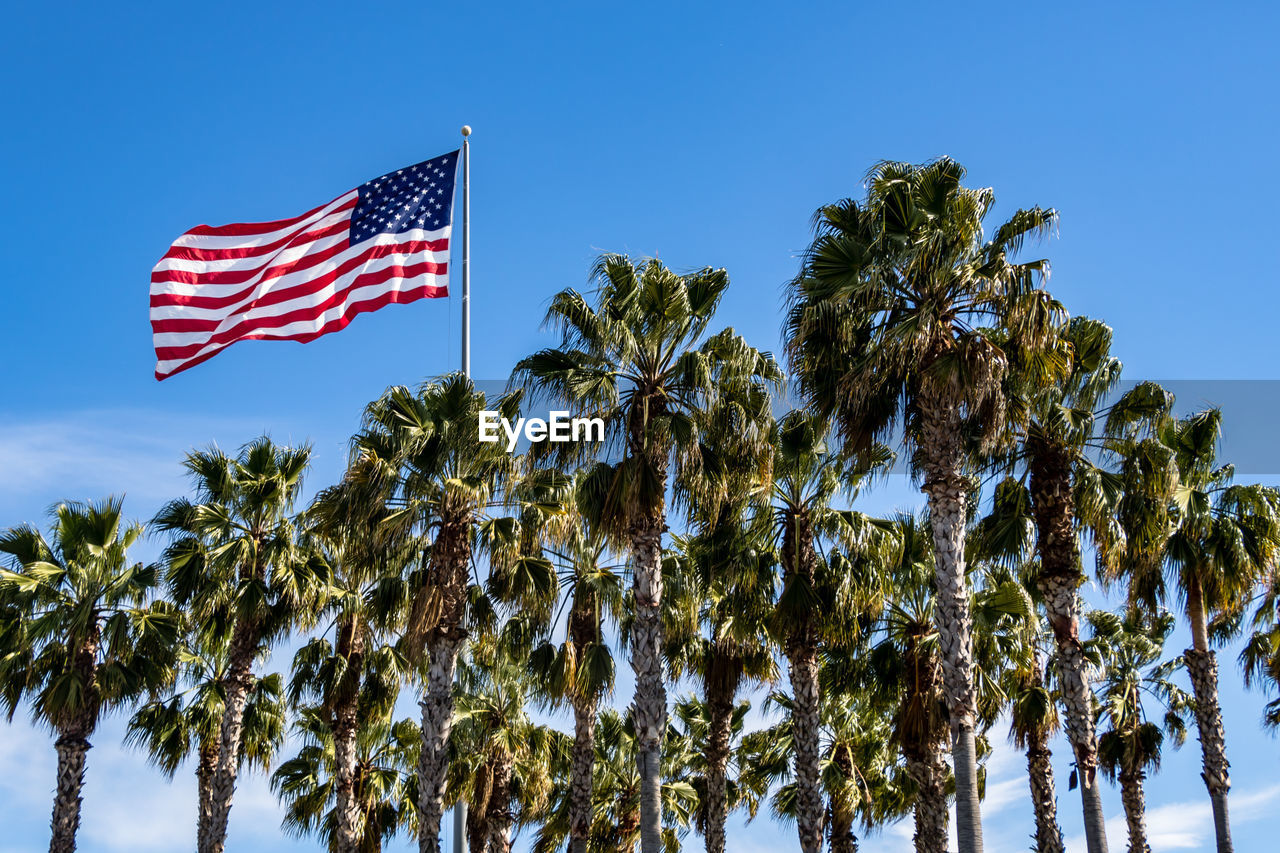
x=706 y=136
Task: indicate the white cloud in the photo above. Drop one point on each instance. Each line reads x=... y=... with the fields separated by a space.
x=128 y=805
x=94 y=453
x=1186 y=825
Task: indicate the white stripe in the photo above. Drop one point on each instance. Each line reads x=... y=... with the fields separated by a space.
x=305 y=300
x=359 y=294
x=244 y=241
x=288 y=251
x=259 y=289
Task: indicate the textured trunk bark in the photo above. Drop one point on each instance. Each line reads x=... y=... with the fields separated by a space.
x=942 y=456
x=584 y=746
x=1059 y=582
x=628 y=828
x=477 y=832
x=1135 y=809
x=798 y=562
x=205 y=768
x=964 y=752
x=929 y=772
x=1202 y=666
x=500 y=816
x=451 y=560
x=1043 y=797
x=646 y=659
x=237 y=685
x=649 y=708
x=347 y=830
x=721 y=689
x=842 y=838
x=437 y=722
x=72 y=746
x=66 y=802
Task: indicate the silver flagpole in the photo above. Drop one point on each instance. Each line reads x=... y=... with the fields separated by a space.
x=460 y=810
x=466 y=251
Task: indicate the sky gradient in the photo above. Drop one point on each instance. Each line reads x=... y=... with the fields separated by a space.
x=704 y=136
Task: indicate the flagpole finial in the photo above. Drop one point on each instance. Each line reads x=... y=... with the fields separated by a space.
x=466 y=130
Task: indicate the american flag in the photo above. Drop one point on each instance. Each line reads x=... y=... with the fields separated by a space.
x=296 y=279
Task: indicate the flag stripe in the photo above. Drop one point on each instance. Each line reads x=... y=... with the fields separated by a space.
x=177 y=344
x=290 y=259
x=279 y=300
x=249 y=229
x=206 y=249
x=387 y=241
x=400 y=297
x=290 y=286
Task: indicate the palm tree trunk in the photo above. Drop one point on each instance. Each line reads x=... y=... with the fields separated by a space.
x=1135 y=809
x=207 y=764
x=1202 y=666
x=947 y=490
x=584 y=746
x=238 y=683
x=437 y=721
x=1059 y=582
x=346 y=835
x=73 y=745
x=499 y=822
x=477 y=831
x=722 y=686
x=1043 y=797
x=929 y=772
x=798 y=561
x=451 y=559
x=646 y=659
x=71 y=748
x=842 y=838
x=805 y=726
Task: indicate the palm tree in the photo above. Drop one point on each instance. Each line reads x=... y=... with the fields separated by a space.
x=721 y=581
x=721 y=766
x=189 y=722
x=902 y=669
x=383 y=791
x=88 y=638
x=1032 y=723
x=1260 y=656
x=502 y=761
x=860 y=781
x=905 y=671
x=364 y=563
x=1060 y=492
x=807 y=477
x=234 y=566
x=1130 y=647
x=718 y=607
x=444 y=479
x=640 y=359
x=886 y=327
x=1221 y=539
x=560 y=536
x=617 y=792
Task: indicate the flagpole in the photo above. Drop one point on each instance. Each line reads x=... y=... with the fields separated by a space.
x=466 y=251
x=460 y=809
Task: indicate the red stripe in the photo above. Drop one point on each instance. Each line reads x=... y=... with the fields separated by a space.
x=248 y=229
x=191 y=253
x=335 y=325
x=282 y=294
x=306 y=261
x=310 y=312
